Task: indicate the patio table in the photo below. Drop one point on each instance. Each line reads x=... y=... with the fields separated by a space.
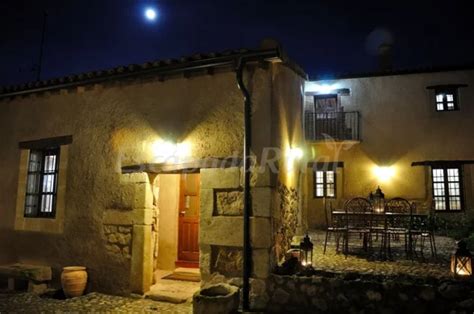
x=379 y=219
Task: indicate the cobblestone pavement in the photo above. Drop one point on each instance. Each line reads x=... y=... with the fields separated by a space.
x=372 y=264
x=90 y=303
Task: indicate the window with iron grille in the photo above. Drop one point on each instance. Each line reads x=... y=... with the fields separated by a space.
x=42 y=183
x=447 y=188
x=446 y=99
x=324 y=184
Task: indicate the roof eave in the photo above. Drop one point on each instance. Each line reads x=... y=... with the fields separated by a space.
x=270 y=55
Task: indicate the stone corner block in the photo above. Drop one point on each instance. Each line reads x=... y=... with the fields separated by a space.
x=141 y=272
x=261 y=263
x=227 y=231
x=206 y=203
x=261 y=232
x=139 y=216
x=117 y=217
x=260 y=177
x=261 y=201
x=220 y=178
x=142 y=216
x=139 y=177
x=143 y=196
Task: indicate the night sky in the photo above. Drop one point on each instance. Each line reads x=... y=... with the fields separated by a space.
x=324 y=37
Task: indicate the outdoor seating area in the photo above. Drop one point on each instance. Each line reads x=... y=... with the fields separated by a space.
x=369 y=262
x=376 y=227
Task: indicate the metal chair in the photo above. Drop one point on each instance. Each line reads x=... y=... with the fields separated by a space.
x=422 y=227
x=358 y=221
x=399 y=223
x=332 y=226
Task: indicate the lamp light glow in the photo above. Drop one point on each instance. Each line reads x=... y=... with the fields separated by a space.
x=293 y=154
x=384 y=174
x=167 y=152
x=461 y=261
x=321 y=88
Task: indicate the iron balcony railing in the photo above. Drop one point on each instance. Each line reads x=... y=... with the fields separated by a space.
x=338 y=126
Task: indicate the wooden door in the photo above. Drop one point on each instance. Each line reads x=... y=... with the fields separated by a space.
x=188 y=227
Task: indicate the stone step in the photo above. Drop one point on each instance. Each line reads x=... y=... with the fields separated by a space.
x=170 y=297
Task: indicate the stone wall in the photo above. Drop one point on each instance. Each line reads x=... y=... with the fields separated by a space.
x=113 y=125
x=354 y=293
x=229 y=202
x=220 y=236
x=128 y=231
x=227 y=261
x=286 y=223
x=118 y=240
x=117 y=124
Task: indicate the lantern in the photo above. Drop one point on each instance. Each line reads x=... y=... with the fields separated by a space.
x=306 y=248
x=461 y=261
x=378 y=200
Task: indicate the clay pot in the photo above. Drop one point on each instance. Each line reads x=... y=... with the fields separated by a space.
x=74 y=280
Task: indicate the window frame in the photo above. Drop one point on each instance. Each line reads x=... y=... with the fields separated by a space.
x=325 y=183
x=446 y=182
x=50 y=151
x=444 y=91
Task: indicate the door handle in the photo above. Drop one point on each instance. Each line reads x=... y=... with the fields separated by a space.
x=182 y=212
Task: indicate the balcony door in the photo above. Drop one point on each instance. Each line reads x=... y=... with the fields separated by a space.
x=325 y=105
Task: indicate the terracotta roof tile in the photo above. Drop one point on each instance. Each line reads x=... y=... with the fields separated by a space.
x=86 y=77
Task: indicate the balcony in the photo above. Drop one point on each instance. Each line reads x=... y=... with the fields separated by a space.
x=337 y=126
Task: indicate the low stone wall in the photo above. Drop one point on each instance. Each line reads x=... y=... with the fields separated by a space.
x=355 y=293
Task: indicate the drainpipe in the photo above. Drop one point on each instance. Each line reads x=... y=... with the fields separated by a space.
x=247 y=267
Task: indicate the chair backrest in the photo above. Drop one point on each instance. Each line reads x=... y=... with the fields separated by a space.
x=398 y=205
x=358 y=205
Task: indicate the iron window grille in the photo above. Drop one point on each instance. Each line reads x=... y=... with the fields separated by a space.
x=42 y=183
x=324 y=184
x=447 y=188
x=446 y=99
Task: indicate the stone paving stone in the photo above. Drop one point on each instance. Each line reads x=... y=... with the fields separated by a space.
x=90 y=303
x=361 y=262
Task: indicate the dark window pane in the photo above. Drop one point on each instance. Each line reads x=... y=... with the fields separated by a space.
x=35 y=161
x=41 y=183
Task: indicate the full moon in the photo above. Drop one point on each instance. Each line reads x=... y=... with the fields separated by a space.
x=150 y=14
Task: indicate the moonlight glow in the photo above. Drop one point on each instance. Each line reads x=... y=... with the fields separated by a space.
x=150 y=14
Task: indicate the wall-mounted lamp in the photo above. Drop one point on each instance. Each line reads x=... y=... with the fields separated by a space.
x=293 y=154
x=321 y=88
x=384 y=174
x=169 y=152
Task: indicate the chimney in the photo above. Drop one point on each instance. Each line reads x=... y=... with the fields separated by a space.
x=269 y=43
x=384 y=55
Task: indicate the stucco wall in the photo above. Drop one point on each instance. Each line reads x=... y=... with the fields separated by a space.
x=113 y=125
x=288 y=135
x=168 y=202
x=398 y=125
